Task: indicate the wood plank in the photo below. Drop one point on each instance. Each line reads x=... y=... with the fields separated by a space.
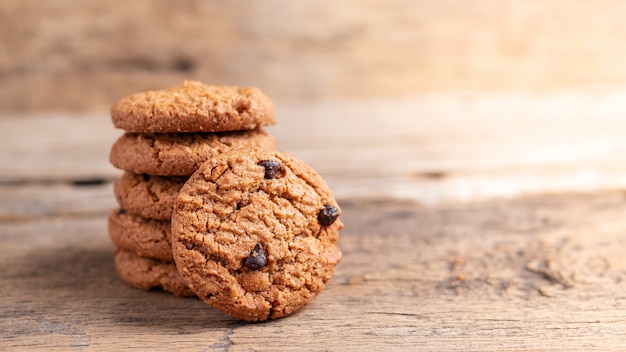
x=462 y=147
x=428 y=148
x=32 y=201
x=541 y=273
x=351 y=48
x=55 y=146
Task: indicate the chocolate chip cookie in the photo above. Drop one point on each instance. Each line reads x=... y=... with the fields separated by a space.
x=147 y=238
x=179 y=154
x=147 y=274
x=194 y=107
x=254 y=233
x=147 y=196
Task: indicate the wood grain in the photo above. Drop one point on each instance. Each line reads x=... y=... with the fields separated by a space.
x=64 y=55
x=430 y=148
x=473 y=222
x=542 y=273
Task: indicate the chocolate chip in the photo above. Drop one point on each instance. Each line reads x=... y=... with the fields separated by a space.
x=256 y=259
x=121 y=211
x=328 y=215
x=271 y=168
x=189 y=245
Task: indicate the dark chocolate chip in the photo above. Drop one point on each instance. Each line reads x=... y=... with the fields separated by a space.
x=272 y=168
x=256 y=259
x=328 y=215
x=189 y=245
x=121 y=211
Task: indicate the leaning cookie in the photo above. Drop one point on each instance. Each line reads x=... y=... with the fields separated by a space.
x=147 y=196
x=254 y=233
x=147 y=274
x=179 y=154
x=194 y=107
x=147 y=238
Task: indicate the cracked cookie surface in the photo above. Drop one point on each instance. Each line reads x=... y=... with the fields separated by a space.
x=179 y=154
x=246 y=234
x=147 y=238
x=147 y=274
x=147 y=196
x=194 y=107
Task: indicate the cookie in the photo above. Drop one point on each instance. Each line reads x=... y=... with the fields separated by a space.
x=147 y=196
x=179 y=154
x=146 y=237
x=254 y=233
x=194 y=107
x=147 y=274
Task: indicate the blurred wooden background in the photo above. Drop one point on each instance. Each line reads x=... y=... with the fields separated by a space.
x=83 y=55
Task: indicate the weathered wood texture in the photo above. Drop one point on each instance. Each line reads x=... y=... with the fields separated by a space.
x=544 y=273
x=66 y=54
x=472 y=223
x=428 y=148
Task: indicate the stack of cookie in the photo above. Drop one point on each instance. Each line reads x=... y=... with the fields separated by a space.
x=208 y=207
x=159 y=153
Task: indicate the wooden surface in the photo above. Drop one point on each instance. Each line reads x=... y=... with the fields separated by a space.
x=62 y=54
x=472 y=223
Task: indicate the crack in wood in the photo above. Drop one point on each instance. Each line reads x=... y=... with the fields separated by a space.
x=225 y=343
x=546 y=269
x=79 y=182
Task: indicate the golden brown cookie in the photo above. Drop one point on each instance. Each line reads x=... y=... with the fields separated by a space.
x=147 y=196
x=194 y=107
x=179 y=154
x=147 y=238
x=147 y=274
x=254 y=233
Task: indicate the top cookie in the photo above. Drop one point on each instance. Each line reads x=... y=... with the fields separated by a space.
x=194 y=107
x=254 y=233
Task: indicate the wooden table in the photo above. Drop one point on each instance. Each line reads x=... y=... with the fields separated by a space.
x=473 y=222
